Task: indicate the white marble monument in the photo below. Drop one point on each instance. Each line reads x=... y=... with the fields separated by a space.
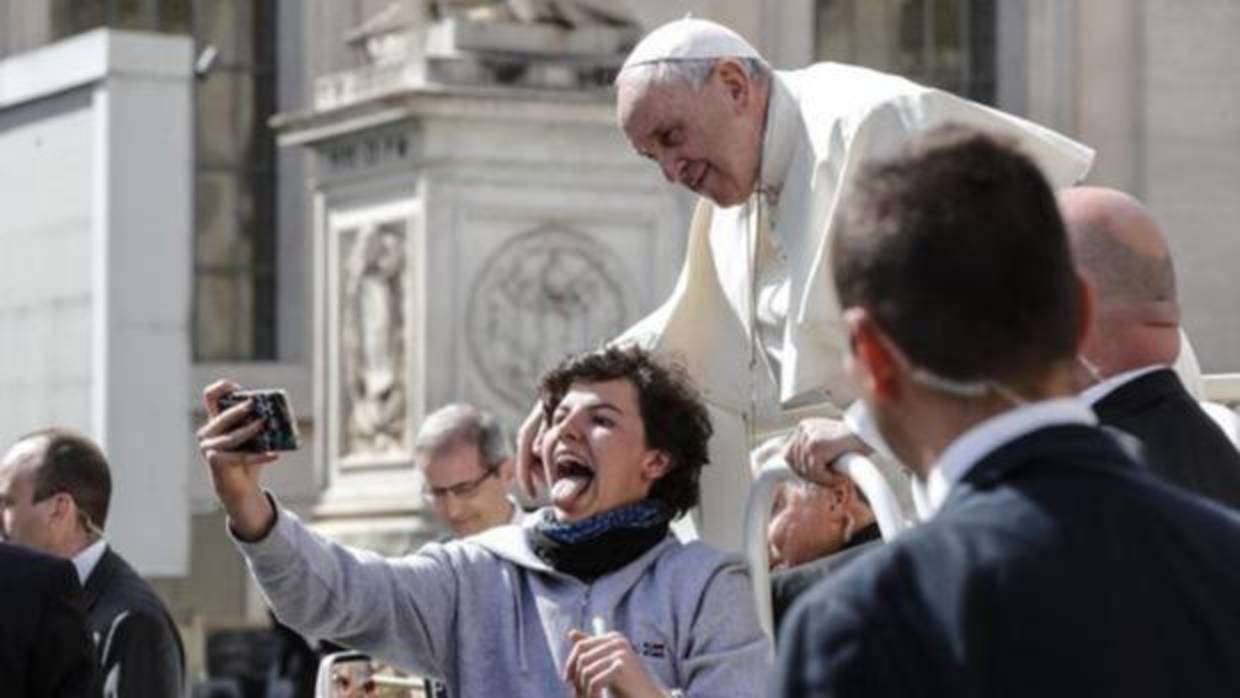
x=477 y=216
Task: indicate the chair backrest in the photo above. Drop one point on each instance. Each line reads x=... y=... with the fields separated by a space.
x=1227 y=419
x=775 y=472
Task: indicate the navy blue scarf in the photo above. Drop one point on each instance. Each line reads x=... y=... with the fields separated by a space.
x=593 y=547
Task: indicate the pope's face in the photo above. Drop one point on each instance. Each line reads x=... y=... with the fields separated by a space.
x=705 y=139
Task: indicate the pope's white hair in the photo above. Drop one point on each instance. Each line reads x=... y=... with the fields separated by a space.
x=690 y=72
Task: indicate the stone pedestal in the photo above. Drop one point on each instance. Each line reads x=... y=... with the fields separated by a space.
x=466 y=238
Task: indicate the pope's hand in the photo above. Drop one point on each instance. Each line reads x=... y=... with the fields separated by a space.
x=530 y=475
x=815 y=447
x=234 y=474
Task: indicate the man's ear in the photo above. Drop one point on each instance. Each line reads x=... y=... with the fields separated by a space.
x=1086 y=300
x=844 y=493
x=835 y=496
x=64 y=508
x=656 y=465
x=735 y=82
x=872 y=354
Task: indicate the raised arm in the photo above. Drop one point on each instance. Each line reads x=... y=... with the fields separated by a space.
x=235 y=474
x=400 y=610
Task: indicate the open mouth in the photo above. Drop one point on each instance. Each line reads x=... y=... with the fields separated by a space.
x=571 y=477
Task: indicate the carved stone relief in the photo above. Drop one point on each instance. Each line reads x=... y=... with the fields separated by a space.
x=372 y=341
x=528 y=44
x=370 y=149
x=571 y=14
x=542 y=295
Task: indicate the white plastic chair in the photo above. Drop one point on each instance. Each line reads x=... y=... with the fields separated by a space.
x=774 y=473
x=1227 y=419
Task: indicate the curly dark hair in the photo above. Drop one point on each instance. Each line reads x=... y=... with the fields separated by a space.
x=673 y=414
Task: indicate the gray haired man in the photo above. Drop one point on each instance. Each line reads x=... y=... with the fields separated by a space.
x=465 y=460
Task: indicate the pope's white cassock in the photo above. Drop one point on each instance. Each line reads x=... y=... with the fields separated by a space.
x=754 y=315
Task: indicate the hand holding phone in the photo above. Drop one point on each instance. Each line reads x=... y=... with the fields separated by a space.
x=271 y=406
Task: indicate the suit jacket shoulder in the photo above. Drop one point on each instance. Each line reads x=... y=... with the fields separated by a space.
x=1057 y=564
x=44 y=647
x=140 y=651
x=1181 y=443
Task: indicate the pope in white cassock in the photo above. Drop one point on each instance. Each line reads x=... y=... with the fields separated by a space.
x=772 y=154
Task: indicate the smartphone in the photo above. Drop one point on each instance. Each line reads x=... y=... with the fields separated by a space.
x=279 y=431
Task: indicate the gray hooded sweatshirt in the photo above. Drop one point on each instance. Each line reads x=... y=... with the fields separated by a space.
x=490 y=619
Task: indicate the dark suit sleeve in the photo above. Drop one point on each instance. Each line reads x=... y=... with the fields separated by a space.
x=825 y=650
x=788 y=585
x=142 y=658
x=62 y=662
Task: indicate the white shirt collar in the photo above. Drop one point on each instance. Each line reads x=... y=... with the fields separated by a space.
x=1091 y=395
x=518 y=514
x=90 y=556
x=779 y=141
x=979 y=441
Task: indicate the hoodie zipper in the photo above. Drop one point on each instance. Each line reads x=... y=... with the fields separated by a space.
x=584 y=621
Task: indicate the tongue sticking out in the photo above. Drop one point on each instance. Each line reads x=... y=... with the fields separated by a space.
x=567 y=489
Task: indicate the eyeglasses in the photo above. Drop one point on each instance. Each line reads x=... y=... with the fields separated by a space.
x=461 y=490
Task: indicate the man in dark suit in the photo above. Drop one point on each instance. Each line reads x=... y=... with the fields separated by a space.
x=1054 y=564
x=45 y=651
x=1133 y=340
x=56 y=487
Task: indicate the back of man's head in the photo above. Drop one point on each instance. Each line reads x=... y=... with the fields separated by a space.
x=956 y=248
x=74 y=464
x=1119 y=249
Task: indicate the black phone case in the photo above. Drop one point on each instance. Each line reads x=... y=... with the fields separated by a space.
x=272 y=407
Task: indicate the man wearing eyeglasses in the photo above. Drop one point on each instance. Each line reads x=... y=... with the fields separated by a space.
x=55 y=489
x=464 y=459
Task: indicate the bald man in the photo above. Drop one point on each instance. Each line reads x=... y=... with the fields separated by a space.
x=1125 y=361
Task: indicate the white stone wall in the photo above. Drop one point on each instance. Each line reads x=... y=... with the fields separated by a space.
x=1191 y=155
x=96 y=193
x=45 y=271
